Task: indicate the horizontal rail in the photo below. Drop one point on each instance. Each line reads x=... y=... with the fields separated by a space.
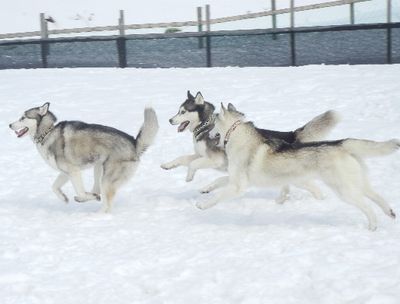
x=288 y=30
x=183 y=23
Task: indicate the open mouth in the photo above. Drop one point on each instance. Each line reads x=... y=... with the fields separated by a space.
x=183 y=126
x=21 y=132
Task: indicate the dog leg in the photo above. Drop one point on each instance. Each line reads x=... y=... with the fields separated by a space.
x=218 y=183
x=180 y=161
x=98 y=172
x=60 y=181
x=199 y=163
x=82 y=196
x=380 y=201
x=312 y=188
x=284 y=195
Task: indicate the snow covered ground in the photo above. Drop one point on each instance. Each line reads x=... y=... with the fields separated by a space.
x=156 y=247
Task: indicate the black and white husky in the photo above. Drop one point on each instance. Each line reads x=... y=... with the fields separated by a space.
x=197 y=115
x=254 y=160
x=71 y=146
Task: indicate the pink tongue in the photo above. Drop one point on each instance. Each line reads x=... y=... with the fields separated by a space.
x=182 y=126
x=21 y=132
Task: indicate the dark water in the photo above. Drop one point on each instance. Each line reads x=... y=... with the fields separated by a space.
x=345 y=47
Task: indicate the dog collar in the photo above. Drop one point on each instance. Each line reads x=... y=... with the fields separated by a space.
x=204 y=128
x=40 y=139
x=231 y=129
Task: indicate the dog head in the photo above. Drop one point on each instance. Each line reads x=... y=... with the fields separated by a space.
x=192 y=112
x=224 y=121
x=30 y=121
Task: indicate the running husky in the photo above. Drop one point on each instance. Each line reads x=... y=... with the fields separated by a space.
x=71 y=146
x=197 y=115
x=258 y=161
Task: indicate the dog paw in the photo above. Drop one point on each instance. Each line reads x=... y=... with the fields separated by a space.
x=97 y=196
x=189 y=178
x=392 y=214
x=204 y=190
x=203 y=205
x=80 y=199
x=168 y=166
x=281 y=199
x=64 y=198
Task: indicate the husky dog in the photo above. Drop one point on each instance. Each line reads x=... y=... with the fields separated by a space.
x=197 y=115
x=70 y=146
x=259 y=161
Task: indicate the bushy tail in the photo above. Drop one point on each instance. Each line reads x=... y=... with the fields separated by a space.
x=318 y=128
x=147 y=132
x=368 y=148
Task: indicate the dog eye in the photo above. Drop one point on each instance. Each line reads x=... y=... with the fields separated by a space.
x=22 y=118
x=183 y=112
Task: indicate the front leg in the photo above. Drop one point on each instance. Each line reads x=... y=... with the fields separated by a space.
x=82 y=196
x=98 y=172
x=180 y=161
x=200 y=163
x=60 y=181
x=218 y=183
x=236 y=186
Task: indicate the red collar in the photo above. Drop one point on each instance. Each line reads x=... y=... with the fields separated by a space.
x=231 y=129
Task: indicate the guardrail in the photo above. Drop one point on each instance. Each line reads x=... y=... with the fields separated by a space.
x=289 y=48
x=121 y=27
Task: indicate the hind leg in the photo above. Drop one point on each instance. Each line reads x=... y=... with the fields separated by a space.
x=284 y=195
x=114 y=175
x=60 y=181
x=380 y=201
x=98 y=171
x=312 y=188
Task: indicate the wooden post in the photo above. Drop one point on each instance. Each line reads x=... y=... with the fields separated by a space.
x=200 y=25
x=389 y=32
x=352 y=20
x=292 y=13
x=121 y=23
x=208 y=38
x=121 y=41
x=273 y=8
x=44 y=34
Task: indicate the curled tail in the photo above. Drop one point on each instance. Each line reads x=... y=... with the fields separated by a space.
x=368 y=148
x=147 y=132
x=318 y=128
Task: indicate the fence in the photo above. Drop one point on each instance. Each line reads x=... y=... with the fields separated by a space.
x=349 y=44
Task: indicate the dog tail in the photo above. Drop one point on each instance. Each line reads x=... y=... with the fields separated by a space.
x=147 y=132
x=318 y=128
x=368 y=148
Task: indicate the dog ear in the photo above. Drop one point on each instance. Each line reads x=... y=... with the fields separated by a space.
x=44 y=108
x=189 y=95
x=231 y=108
x=223 y=110
x=199 y=99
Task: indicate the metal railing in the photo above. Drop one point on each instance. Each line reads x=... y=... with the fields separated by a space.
x=291 y=46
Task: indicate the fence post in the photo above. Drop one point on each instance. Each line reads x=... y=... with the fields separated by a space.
x=44 y=34
x=273 y=8
x=292 y=35
x=121 y=41
x=389 y=32
x=200 y=25
x=352 y=13
x=208 y=37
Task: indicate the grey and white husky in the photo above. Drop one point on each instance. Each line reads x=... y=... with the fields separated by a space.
x=197 y=115
x=254 y=160
x=71 y=146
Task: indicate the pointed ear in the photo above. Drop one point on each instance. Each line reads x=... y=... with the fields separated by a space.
x=189 y=95
x=199 y=99
x=44 y=108
x=231 y=108
x=223 y=110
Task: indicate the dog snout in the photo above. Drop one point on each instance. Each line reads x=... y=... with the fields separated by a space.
x=10 y=125
x=170 y=121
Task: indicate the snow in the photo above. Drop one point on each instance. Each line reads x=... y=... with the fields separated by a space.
x=156 y=247
x=23 y=15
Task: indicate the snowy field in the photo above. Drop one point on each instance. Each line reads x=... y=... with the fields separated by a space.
x=156 y=247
